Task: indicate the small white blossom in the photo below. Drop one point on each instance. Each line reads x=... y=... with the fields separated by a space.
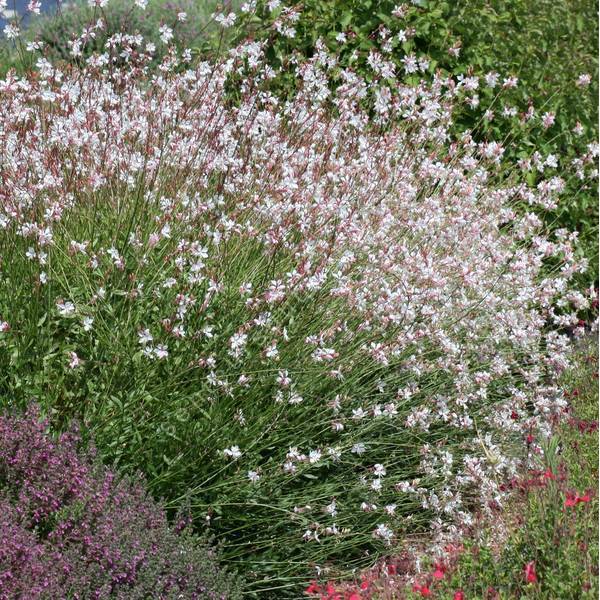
x=233 y=452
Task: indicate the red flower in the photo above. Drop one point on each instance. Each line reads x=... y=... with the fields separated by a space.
x=571 y=499
x=460 y=595
x=313 y=588
x=549 y=474
x=439 y=571
x=585 y=498
x=574 y=499
x=354 y=596
x=364 y=585
x=422 y=589
x=530 y=575
x=391 y=570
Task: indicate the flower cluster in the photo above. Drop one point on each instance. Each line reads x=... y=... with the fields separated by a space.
x=69 y=528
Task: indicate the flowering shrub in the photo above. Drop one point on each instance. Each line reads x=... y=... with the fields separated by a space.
x=545 y=545
x=327 y=329
x=69 y=528
x=55 y=31
x=553 y=109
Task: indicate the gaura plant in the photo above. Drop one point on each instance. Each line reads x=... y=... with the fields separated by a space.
x=326 y=326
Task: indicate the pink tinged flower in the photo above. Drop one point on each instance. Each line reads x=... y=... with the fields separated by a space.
x=4 y=326
x=74 y=361
x=530 y=575
x=454 y=50
x=510 y=82
x=548 y=119
x=161 y=352
x=324 y=354
x=34 y=7
x=584 y=80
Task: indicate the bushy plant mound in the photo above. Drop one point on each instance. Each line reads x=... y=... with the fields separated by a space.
x=71 y=529
x=57 y=33
x=328 y=331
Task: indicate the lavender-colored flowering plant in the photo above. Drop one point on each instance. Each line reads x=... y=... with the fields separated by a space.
x=70 y=528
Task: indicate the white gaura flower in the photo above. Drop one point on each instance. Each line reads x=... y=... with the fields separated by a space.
x=253 y=476
x=358 y=414
x=376 y=485
x=161 y=351
x=390 y=509
x=233 y=452
x=65 y=308
x=584 y=80
x=331 y=509
x=358 y=448
x=379 y=470
x=166 y=33
x=314 y=456
x=225 y=21
x=145 y=337
x=384 y=532
x=11 y=31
